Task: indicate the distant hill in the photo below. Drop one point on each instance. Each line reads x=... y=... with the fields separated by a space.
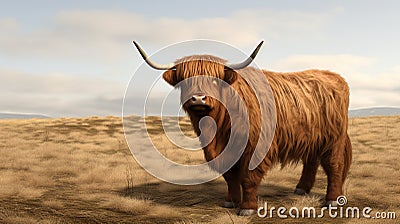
x=375 y=111
x=20 y=116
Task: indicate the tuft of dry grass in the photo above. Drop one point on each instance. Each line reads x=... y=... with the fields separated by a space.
x=129 y=205
x=80 y=170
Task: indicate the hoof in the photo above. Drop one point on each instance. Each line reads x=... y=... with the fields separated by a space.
x=229 y=204
x=246 y=212
x=300 y=191
x=331 y=204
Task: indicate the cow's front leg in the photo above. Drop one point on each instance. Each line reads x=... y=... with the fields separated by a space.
x=234 y=196
x=250 y=188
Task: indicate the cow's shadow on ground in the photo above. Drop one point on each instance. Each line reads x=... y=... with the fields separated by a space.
x=210 y=196
x=207 y=194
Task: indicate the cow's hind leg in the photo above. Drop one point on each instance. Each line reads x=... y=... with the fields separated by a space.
x=333 y=163
x=234 y=196
x=307 y=178
x=347 y=157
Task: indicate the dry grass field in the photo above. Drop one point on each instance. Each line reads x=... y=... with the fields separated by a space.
x=72 y=170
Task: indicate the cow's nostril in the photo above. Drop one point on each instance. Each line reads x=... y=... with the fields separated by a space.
x=198 y=98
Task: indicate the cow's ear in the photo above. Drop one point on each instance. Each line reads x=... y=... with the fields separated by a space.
x=170 y=77
x=230 y=76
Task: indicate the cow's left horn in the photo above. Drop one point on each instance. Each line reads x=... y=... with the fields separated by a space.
x=150 y=62
x=247 y=61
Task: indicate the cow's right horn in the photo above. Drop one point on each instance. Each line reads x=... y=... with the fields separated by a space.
x=247 y=61
x=150 y=62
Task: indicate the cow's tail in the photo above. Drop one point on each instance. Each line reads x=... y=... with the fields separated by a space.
x=347 y=157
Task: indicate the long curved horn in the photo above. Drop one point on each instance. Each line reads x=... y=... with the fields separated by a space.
x=247 y=61
x=150 y=62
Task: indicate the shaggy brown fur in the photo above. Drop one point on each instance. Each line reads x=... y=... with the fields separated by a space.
x=311 y=111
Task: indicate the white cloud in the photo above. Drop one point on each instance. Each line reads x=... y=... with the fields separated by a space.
x=8 y=24
x=59 y=94
x=362 y=98
x=340 y=62
x=12 y=81
x=367 y=88
x=106 y=35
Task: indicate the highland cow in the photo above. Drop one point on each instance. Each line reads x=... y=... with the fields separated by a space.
x=311 y=122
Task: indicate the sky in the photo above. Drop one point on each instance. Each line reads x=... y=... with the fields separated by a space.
x=76 y=58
